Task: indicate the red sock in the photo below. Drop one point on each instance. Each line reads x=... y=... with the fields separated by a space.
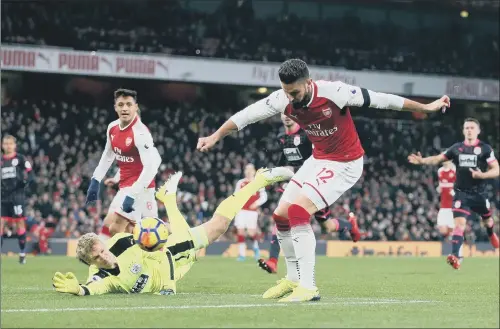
x=282 y=223
x=298 y=216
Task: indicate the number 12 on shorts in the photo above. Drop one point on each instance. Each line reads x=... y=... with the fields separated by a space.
x=323 y=176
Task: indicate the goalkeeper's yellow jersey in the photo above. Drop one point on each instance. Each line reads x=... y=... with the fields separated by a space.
x=138 y=271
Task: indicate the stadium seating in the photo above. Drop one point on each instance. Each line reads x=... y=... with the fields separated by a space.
x=351 y=41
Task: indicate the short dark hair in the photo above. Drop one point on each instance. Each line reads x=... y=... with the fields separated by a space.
x=476 y=121
x=293 y=70
x=126 y=92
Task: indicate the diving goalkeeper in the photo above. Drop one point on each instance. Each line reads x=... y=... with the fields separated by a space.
x=121 y=266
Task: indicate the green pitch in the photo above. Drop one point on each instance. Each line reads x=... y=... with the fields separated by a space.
x=220 y=292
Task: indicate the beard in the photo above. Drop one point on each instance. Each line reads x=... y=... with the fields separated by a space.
x=303 y=103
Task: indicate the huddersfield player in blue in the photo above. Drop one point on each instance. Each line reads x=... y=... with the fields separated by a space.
x=475 y=162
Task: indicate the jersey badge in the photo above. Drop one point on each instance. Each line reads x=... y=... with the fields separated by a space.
x=135 y=268
x=327 y=112
x=458 y=203
x=477 y=150
x=296 y=140
x=15 y=162
x=128 y=141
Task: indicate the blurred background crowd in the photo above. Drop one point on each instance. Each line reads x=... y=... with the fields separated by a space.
x=427 y=37
x=60 y=122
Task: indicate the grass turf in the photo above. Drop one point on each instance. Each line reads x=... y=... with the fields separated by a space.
x=220 y=292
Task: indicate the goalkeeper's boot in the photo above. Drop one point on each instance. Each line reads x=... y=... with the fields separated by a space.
x=269 y=176
x=169 y=187
x=453 y=261
x=283 y=287
x=22 y=258
x=301 y=294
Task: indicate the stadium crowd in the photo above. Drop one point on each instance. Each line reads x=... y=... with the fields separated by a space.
x=393 y=200
x=236 y=32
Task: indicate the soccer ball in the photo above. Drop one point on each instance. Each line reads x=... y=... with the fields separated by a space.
x=150 y=234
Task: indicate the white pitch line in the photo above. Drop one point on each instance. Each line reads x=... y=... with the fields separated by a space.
x=184 y=307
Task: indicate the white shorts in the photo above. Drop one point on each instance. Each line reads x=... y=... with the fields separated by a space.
x=246 y=219
x=323 y=181
x=144 y=206
x=445 y=218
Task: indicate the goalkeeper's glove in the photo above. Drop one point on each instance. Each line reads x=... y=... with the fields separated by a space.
x=67 y=283
x=93 y=191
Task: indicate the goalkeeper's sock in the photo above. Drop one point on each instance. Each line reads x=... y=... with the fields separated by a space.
x=175 y=218
x=304 y=243
x=342 y=225
x=231 y=205
x=21 y=239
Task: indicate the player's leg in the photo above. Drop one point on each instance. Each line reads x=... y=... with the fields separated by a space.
x=271 y=265
x=118 y=219
x=482 y=207
x=284 y=234
x=445 y=221
x=461 y=213
x=19 y=226
x=226 y=211
x=240 y=224
x=338 y=224
x=325 y=183
x=252 y=223
x=7 y=212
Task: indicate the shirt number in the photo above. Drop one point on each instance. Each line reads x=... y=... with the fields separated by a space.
x=323 y=176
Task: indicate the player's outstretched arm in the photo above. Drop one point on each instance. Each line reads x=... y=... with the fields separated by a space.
x=68 y=283
x=347 y=95
x=432 y=160
x=260 y=110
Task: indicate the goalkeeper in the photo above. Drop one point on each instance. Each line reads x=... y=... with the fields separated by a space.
x=120 y=266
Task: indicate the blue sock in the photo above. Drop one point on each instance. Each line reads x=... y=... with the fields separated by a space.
x=22 y=242
x=456 y=241
x=342 y=225
x=274 y=251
